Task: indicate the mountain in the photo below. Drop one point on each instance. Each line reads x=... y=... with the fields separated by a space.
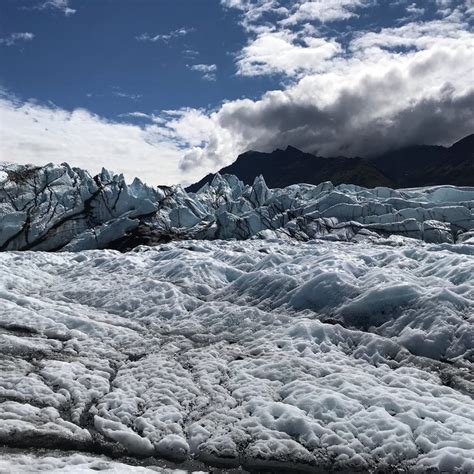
x=420 y=165
x=426 y=165
x=281 y=168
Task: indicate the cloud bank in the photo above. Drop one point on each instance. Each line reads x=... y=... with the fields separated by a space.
x=39 y=134
x=381 y=89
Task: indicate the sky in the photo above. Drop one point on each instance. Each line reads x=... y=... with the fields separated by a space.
x=170 y=90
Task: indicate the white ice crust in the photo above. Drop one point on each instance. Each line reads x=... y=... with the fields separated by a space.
x=349 y=355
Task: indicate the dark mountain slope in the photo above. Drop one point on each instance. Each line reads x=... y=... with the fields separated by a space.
x=419 y=165
x=290 y=166
x=426 y=165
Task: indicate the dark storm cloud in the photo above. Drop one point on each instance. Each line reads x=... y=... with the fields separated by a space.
x=413 y=101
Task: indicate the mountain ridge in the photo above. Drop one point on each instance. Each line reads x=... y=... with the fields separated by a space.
x=411 y=166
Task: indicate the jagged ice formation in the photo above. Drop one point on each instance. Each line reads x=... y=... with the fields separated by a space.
x=63 y=208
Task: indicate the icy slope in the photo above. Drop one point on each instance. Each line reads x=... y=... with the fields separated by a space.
x=45 y=208
x=284 y=354
x=63 y=208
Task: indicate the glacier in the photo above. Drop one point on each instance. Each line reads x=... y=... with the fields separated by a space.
x=306 y=329
x=63 y=208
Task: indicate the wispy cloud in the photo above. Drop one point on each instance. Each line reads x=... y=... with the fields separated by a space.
x=117 y=92
x=15 y=38
x=190 y=53
x=415 y=10
x=208 y=71
x=165 y=37
x=253 y=13
x=139 y=115
x=60 y=5
x=127 y=95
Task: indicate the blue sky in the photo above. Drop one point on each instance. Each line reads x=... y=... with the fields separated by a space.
x=171 y=89
x=95 y=58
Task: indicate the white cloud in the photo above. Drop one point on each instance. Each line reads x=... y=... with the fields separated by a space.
x=191 y=53
x=166 y=37
x=304 y=50
x=15 y=38
x=253 y=12
x=62 y=5
x=203 y=67
x=363 y=105
x=140 y=115
x=469 y=6
x=283 y=53
x=414 y=10
x=388 y=88
x=126 y=95
x=207 y=70
x=325 y=10
x=419 y=35
x=39 y=134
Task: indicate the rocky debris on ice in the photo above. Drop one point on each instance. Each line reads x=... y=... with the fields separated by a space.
x=64 y=208
x=267 y=354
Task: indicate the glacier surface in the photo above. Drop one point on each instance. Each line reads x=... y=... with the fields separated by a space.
x=310 y=328
x=269 y=353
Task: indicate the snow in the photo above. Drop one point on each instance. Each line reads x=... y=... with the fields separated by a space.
x=270 y=352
